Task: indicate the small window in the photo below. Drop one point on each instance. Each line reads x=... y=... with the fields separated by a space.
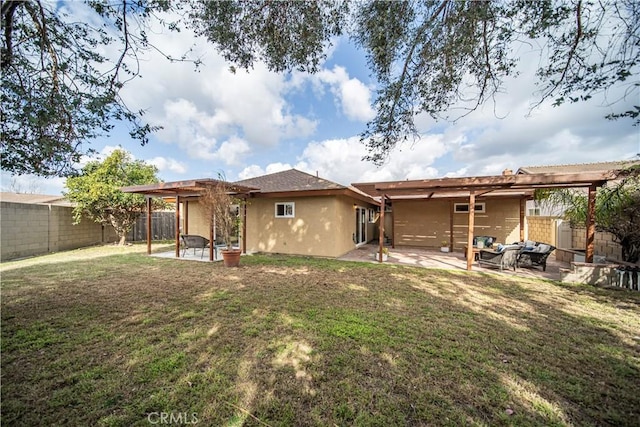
x=464 y=207
x=534 y=212
x=285 y=210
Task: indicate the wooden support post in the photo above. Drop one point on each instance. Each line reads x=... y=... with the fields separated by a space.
x=186 y=217
x=381 y=237
x=591 y=224
x=451 y=206
x=393 y=228
x=523 y=206
x=244 y=226
x=212 y=239
x=472 y=212
x=149 y=225
x=177 y=226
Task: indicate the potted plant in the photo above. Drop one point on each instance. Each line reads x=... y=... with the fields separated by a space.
x=445 y=246
x=385 y=254
x=217 y=204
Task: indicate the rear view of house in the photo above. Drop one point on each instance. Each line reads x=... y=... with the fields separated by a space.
x=297 y=213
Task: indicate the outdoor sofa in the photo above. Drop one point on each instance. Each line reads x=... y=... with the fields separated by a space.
x=534 y=254
x=505 y=257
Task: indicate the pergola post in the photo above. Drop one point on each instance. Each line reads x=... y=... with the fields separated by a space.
x=212 y=239
x=177 y=226
x=244 y=226
x=523 y=205
x=451 y=206
x=381 y=226
x=186 y=216
x=472 y=212
x=591 y=223
x=148 y=225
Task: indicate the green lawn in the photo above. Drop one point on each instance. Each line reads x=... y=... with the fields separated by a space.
x=111 y=337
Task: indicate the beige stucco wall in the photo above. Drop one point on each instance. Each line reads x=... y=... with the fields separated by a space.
x=323 y=226
x=197 y=223
x=426 y=223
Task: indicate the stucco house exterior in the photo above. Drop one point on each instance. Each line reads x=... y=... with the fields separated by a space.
x=436 y=222
x=297 y=213
x=293 y=212
x=288 y=212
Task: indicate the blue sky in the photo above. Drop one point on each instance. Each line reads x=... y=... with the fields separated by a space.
x=251 y=123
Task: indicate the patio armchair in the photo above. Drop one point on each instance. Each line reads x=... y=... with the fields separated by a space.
x=195 y=242
x=504 y=257
x=536 y=255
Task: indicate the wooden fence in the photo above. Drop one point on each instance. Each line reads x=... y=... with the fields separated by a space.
x=163 y=227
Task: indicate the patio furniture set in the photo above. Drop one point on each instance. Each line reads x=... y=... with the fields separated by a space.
x=519 y=254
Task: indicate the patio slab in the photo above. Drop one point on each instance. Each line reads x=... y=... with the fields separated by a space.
x=421 y=257
x=188 y=256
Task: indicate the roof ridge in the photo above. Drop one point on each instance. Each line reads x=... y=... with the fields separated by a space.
x=580 y=164
x=317 y=177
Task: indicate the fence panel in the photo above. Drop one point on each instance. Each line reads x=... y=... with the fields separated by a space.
x=163 y=227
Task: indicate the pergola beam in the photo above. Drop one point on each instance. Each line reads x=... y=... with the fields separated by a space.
x=499 y=182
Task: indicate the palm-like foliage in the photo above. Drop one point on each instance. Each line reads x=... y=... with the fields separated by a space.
x=617 y=210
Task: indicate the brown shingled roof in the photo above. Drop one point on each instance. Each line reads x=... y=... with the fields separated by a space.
x=580 y=167
x=289 y=180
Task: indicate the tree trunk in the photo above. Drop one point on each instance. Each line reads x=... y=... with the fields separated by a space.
x=123 y=238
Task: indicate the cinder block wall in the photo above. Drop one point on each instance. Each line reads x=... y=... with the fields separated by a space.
x=30 y=229
x=24 y=230
x=542 y=229
x=603 y=243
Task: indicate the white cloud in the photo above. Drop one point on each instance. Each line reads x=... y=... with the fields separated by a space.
x=232 y=150
x=353 y=95
x=255 y=170
x=197 y=110
x=168 y=164
x=340 y=160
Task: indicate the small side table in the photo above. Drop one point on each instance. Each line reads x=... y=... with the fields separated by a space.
x=476 y=252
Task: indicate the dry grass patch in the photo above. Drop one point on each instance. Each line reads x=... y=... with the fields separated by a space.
x=298 y=341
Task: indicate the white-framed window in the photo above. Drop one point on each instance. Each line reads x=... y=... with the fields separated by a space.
x=285 y=210
x=464 y=207
x=371 y=215
x=534 y=211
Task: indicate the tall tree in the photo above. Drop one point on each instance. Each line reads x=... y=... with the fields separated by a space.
x=96 y=191
x=443 y=58
x=58 y=90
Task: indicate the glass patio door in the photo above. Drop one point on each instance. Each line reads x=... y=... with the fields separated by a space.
x=361 y=226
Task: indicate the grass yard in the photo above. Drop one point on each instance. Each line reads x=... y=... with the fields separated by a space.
x=111 y=337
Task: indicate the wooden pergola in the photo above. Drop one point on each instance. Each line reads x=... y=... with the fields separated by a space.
x=183 y=192
x=521 y=185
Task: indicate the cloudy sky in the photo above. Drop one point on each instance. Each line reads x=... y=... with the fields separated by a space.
x=251 y=123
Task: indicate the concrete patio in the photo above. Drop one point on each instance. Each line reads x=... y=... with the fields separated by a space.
x=420 y=257
x=412 y=256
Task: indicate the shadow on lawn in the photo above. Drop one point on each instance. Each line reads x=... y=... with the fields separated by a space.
x=346 y=345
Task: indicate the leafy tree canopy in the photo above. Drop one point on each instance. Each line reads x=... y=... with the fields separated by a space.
x=97 y=196
x=443 y=58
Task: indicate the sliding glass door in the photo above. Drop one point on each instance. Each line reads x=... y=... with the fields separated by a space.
x=361 y=226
